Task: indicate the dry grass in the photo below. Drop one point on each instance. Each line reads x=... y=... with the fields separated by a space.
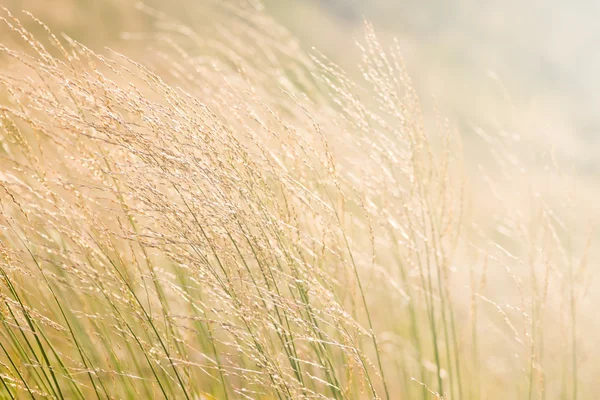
x=249 y=222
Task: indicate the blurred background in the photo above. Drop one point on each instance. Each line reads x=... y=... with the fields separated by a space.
x=515 y=66
x=500 y=65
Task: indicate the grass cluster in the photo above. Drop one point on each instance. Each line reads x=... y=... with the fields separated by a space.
x=244 y=220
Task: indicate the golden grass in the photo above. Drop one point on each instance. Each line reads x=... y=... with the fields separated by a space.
x=249 y=222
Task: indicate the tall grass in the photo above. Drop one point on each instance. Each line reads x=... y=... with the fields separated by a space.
x=244 y=220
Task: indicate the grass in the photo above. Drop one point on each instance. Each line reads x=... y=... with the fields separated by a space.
x=234 y=218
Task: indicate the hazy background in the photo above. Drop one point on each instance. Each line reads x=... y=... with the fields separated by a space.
x=527 y=67
x=514 y=65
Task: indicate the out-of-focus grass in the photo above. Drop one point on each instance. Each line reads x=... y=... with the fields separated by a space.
x=95 y=22
x=489 y=64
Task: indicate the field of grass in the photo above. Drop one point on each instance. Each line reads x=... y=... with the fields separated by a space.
x=229 y=216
